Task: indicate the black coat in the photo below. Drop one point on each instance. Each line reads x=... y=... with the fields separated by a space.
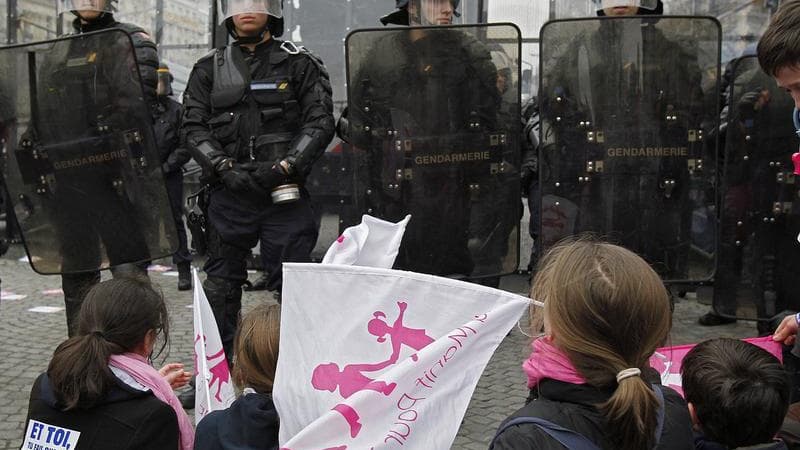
x=144 y=47
x=166 y=128
x=572 y=407
x=701 y=443
x=250 y=423
x=302 y=106
x=127 y=419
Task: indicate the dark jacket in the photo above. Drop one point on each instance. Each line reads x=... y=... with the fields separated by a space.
x=251 y=422
x=289 y=117
x=145 y=49
x=166 y=128
x=126 y=419
x=573 y=407
x=702 y=443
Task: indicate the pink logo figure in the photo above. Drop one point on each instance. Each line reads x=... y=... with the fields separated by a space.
x=340 y=239
x=398 y=333
x=220 y=373
x=351 y=379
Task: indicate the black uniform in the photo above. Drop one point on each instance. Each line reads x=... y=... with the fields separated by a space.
x=76 y=285
x=439 y=93
x=166 y=128
x=247 y=111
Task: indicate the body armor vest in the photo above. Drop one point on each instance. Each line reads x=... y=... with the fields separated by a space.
x=255 y=109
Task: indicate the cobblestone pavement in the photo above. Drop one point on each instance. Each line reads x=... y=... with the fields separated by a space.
x=28 y=339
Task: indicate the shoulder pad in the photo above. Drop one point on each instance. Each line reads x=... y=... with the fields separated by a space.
x=138 y=35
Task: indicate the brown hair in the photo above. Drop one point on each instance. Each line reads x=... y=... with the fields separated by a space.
x=608 y=311
x=729 y=382
x=115 y=318
x=779 y=46
x=256 y=349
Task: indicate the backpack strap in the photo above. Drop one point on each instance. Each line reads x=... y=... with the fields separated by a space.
x=661 y=412
x=568 y=438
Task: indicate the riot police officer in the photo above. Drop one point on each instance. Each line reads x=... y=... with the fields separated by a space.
x=257 y=114
x=166 y=127
x=95 y=15
x=437 y=90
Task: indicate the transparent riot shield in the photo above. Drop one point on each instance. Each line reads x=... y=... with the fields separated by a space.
x=759 y=257
x=434 y=127
x=83 y=172
x=627 y=105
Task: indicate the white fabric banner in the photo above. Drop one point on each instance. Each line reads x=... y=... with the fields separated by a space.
x=376 y=358
x=372 y=243
x=213 y=387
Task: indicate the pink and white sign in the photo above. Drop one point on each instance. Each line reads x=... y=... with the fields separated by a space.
x=668 y=360
x=376 y=358
x=372 y=243
x=213 y=379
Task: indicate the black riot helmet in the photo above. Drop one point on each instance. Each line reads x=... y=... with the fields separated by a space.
x=401 y=15
x=272 y=8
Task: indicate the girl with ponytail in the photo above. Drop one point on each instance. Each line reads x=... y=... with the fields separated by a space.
x=100 y=388
x=605 y=313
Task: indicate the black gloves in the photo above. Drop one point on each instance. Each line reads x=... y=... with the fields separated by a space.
x=239 y=178
x=269 y=176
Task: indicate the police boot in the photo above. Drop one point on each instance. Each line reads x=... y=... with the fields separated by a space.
x=75 y=287
x=259 y=285
x=184 y=277
x=225 y=298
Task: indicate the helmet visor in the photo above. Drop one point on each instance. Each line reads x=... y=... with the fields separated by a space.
x=230 y=8
x=103 y=6
x=432 y=12
x=646 y=4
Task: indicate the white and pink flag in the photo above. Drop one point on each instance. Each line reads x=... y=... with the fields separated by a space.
x=375 y=358
x=213 y=387
x=372 y=243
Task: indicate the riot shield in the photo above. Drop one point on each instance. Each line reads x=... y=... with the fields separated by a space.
x=759 y=258
x=627 y=104
x=83 y=172
x=434 y=132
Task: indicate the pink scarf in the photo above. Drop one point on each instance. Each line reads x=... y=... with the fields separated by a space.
x=137 y=367
x=548 y=362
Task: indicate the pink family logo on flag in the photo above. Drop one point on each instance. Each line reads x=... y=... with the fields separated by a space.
x=668 y=360
x=397 y=370
x=213 y=387
x=217 y=366
x=351 y=379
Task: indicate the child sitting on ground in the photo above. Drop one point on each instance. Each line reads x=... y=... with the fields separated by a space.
x=251 y=422
x=738 y=395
